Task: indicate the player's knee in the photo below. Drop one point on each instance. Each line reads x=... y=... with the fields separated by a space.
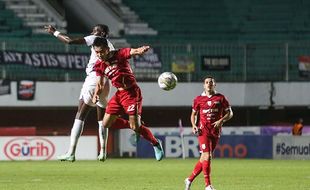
x=205 y=157
x=79 y=116
x=135 y=127
x=106 y=124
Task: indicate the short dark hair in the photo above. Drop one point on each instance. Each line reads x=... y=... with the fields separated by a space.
x=104 y=28
x=100 y=42
x=209 y=77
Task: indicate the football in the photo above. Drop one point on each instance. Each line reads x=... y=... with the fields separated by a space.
x=167 y=81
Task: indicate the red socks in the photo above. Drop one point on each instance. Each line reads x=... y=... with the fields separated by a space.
x=145 y=132
x=196 y=171
x=206 y=168
x=148 y=135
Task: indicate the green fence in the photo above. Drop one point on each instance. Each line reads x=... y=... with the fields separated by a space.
x=248 y=62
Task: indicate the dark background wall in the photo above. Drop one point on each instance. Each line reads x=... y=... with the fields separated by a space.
x=50 y=120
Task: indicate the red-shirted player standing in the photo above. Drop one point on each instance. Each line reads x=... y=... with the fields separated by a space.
x=128 y=98
x=213 y=109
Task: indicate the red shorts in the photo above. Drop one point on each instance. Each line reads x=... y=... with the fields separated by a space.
x=127 y=101
x=207 y=143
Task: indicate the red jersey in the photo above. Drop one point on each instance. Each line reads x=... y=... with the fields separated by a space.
x=210 y=109
x=117 y=69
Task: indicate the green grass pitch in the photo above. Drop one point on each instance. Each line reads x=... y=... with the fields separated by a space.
x=148 y=174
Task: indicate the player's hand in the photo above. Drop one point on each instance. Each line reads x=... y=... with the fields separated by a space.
x=145 y=48
x=95 y=98
x=195 y=130
x=217 y=124
x=97 y=92
x=50 y=29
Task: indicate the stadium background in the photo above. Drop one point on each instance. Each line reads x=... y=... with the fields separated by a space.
x=258 y=50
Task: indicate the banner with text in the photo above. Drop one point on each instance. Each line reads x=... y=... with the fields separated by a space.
x=289 y=147
x=70 y=61
x=45 y=147
x=128 y=147
x=215 y=63
x=235 y=146
x=148 y=66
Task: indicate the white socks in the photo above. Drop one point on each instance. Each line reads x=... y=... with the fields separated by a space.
x=103 y=137
x=76 y=132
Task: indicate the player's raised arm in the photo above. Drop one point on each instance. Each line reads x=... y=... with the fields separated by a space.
x=63 y=37
x=139 y=51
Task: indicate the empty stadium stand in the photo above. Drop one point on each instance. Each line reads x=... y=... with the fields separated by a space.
x=223 y=20
x=34 y=14
x=262 y=38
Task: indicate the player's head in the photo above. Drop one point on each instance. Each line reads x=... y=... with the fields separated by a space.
x=300 y=120
x=101 y=30
x=101 y=48
x=209 y=83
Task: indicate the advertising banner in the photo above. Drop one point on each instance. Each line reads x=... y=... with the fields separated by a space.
x=289 y=147
x=45 y=147
x=244 y=147
x=229 y=147
x=26 y=89
x=182 y=64
x=304 y=66
x=76 y=61
x=148 y=66
x=128 y=147
x=215 y=63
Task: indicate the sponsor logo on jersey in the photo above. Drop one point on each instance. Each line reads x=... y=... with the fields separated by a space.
x=209 y=103
x=210 y=110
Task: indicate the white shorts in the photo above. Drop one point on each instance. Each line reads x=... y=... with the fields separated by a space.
x=88 y=90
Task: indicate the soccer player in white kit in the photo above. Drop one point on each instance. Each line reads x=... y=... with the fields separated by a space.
x=87 y=92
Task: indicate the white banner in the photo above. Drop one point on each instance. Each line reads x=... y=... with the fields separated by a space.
x=45 y=147
x=290 y=147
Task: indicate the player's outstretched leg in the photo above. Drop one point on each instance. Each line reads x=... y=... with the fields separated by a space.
x=159 y=151
x=147 y=134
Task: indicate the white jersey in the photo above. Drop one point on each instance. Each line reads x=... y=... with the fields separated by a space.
x=93 y=58
x=89 y=85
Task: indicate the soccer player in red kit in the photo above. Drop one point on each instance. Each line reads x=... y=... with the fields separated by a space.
x=213 y=109
x=128 y=98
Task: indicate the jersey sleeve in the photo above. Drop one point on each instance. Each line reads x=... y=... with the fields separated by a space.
x=89 y=40
x=195 y=106
x=225 y=103
x=124 y=53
